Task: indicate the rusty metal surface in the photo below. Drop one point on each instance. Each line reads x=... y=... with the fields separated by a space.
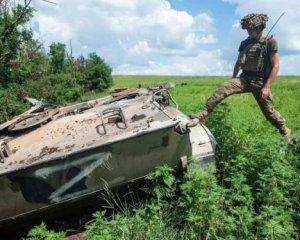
x=76 y=131
x=124 y=92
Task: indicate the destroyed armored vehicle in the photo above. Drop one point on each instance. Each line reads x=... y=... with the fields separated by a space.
x=52 y=156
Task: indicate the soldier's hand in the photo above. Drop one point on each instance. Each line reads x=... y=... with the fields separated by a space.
x=265 y=91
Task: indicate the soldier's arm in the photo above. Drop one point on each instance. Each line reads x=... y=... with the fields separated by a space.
x=273 y=74
x=237 y=66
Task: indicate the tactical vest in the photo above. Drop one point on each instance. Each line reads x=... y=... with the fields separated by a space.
x=253 y=57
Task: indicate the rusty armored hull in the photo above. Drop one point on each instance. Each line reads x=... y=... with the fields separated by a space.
x=51 y=156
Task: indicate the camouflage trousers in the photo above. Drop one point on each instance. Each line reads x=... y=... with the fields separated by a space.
x=240 y=85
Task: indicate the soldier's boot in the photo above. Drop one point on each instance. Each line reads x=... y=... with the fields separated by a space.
x=286 y=133
x=201 y=116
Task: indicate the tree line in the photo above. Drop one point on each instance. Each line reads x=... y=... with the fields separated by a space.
x=28 y=70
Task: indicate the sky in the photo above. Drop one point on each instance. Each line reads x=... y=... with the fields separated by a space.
x=159 y=37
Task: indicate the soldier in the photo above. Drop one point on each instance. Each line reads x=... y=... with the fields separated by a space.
x=259 y=60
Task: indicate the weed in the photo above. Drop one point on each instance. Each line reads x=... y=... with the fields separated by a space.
x=41 y=233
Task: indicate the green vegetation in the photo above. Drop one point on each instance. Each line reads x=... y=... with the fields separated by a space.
x=255 y=192
x=42 y=233
x=28 y=70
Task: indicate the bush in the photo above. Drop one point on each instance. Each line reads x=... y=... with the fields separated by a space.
x=41 y=233
x=12 y=102
x=98 y=73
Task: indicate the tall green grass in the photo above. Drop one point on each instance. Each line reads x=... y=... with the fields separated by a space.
x=255 y=192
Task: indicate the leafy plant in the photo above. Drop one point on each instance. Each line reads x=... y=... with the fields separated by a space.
x=98 y=73
x=161 y=183
x=41 y=233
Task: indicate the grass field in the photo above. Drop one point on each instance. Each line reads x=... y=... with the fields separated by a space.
x=255 y=192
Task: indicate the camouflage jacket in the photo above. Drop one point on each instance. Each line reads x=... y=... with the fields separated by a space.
x=255 y=57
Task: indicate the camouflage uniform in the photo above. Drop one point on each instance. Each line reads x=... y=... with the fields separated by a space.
x=241 y=85
x=254 y=75
x=254 y=20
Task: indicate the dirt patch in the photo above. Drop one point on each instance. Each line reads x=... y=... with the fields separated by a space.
x=79 y=236
x=47 y=150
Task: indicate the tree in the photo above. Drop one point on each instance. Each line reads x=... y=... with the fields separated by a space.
x=98 y=73
x=12 y=36
x=57 y=57
x=27 y=70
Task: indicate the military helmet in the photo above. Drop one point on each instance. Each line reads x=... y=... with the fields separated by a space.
x=254 y=20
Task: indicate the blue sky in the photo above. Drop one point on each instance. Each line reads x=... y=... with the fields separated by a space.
x=223 y=13
x=159 y=37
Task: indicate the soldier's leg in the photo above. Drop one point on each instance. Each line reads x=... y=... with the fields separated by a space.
x=273 y=116
x=233 y=86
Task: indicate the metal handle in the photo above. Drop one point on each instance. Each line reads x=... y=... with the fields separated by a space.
x=120 y=113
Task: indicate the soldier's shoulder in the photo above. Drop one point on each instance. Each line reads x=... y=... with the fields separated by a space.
x=272 y=42
x=246 y=41
x=271 y=39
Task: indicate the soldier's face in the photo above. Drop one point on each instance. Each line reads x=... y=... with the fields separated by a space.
x=252 y=33
x=255 y=32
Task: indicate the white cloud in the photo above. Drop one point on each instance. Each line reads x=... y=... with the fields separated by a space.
x=55 y=30
x=204 y=63
x=289 y=64
x=128 y=34
x=140 y=47
x=203 y=22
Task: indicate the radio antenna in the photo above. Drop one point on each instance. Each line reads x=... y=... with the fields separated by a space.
x=275 y=23
x=49 y=1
